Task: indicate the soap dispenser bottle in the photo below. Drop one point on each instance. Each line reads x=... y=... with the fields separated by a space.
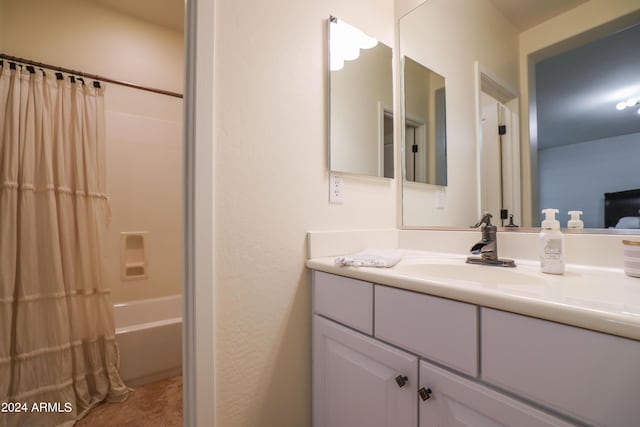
x=575 y=221
x=551 y=244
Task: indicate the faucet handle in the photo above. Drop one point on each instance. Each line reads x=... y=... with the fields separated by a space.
x=486 y=219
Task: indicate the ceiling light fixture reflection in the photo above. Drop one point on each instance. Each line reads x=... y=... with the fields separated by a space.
x=630 y=102
x=345 y=42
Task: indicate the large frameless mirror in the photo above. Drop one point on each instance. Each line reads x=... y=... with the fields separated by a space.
x=560 y=135
x=360 y=102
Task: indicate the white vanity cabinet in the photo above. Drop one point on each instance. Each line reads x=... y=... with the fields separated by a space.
x=456 y=401
x=359 y=381
x=347 y=301
x=385 y=356
x=591 y=376
x=439 y=329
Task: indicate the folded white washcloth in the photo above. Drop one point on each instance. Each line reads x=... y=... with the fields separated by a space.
x=371 y=258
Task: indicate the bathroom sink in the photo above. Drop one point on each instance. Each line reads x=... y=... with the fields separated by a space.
x=468 y=273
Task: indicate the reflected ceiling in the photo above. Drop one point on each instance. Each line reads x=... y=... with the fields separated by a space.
x=168 y=13
x=525 y=14
x=577 y=91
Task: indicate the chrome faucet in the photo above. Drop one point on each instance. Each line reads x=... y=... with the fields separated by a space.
x=487 y=248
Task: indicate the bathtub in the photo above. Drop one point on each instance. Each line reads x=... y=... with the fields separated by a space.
x=149 y=336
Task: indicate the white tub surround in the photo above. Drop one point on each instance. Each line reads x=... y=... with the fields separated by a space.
x=149 y=336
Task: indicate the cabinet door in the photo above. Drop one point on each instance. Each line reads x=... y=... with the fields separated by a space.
x=457 y=402
x=354 y=380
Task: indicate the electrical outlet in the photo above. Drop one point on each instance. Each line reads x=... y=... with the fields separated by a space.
x=440 y=199
x=336 y=189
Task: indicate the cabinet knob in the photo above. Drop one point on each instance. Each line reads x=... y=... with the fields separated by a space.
x=402 y=380
x=424 y=393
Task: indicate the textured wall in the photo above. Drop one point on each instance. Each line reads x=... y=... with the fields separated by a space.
x=144 y=141
x=575 y=177
x=271 y=187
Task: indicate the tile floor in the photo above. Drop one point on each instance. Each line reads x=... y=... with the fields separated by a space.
x=157 y=404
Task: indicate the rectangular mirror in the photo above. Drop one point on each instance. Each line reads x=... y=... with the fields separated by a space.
x=425 y=131
x=450 y=37
x=360 y=102
x=567 y=146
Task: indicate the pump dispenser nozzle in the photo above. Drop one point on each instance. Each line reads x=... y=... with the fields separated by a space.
x=550 y=222
x=575 y=221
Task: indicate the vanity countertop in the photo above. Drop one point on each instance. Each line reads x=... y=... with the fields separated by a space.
x=599 y=299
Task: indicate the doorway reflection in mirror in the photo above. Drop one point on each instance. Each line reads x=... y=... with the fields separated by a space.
x=425 y=148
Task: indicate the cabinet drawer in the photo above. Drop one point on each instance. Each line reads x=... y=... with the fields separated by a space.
x=442 y=330
x=590 y=376
x=455 y=401
x=345 y=300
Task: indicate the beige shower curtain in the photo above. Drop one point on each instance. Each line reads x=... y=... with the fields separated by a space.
x=58 y=355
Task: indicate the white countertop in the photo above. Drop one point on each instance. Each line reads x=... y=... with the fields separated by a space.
x=599 y=299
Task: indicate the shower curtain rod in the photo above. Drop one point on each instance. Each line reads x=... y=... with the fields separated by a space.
x=90 y=76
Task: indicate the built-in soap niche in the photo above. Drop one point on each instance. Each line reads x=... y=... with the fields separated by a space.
x=133 y=255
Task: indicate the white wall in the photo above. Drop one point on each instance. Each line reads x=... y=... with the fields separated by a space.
x=144 y=143
x=604 y=164
x=271 y=188
x=491 y=200
x=474 y=31
x=417 y=83
x=403 y=7
x=356 y=92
